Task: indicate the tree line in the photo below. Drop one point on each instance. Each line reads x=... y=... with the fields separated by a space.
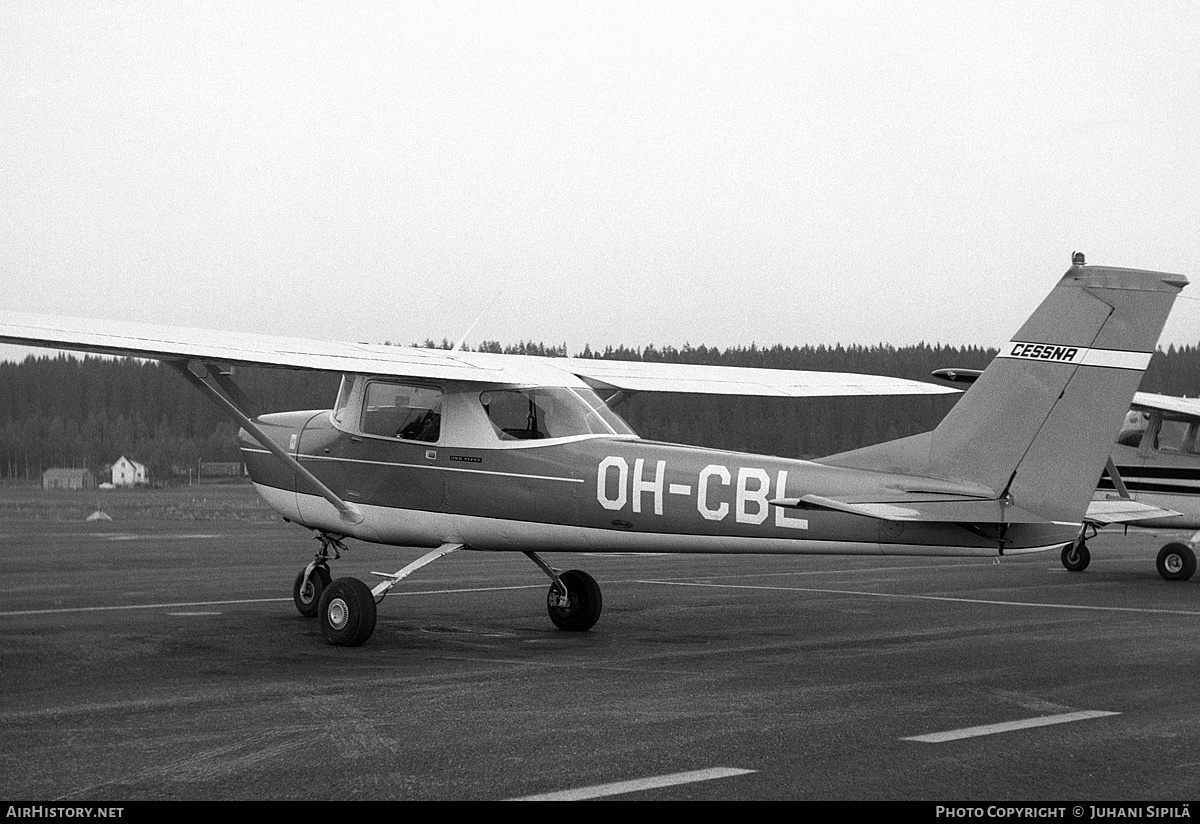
x=88 y=411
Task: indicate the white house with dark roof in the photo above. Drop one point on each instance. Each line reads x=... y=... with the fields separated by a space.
x=128 y=473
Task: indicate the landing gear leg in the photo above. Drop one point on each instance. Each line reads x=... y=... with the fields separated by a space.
x=312 y=580
x=573 y=601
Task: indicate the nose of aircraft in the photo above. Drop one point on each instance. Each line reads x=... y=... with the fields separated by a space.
x=284 y=429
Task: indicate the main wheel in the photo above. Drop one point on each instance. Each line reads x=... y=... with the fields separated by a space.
x=347 y=612
x=308 y=598
x=583 y=602
x=1176 y=562
x=1076 y=557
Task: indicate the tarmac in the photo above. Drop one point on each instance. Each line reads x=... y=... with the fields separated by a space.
x=166 y=661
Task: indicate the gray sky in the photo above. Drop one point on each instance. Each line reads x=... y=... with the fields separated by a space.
x=622 y=172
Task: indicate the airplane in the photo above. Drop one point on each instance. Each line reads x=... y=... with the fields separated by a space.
x=1155 y=461
x=454 y=450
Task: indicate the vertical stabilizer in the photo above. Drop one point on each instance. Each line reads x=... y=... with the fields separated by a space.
x=1041 y=420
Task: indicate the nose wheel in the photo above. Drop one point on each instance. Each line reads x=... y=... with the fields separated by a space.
x=306 y=591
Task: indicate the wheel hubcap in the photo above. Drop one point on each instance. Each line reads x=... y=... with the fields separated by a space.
x=306 y=593
x=1173 y=563
x=339 y=613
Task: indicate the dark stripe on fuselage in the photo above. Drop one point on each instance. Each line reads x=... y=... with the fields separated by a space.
x=1184 y=473
x=1186 y=480
x=1134 y=485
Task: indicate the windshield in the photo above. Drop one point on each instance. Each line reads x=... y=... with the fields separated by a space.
x=549 y=412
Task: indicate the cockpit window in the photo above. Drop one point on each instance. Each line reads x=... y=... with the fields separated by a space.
x=1133 y=428
x=549 y=412
x=397 y=410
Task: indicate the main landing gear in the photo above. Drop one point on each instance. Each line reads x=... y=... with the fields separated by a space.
x=1075 y=555
x=1176 y=561
x=346 y=607
x=573 y=600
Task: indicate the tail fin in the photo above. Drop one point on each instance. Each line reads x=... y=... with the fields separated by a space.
x=1040 y=422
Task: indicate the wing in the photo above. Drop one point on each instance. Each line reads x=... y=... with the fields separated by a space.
x=184 y=344
x=181 y=344
x=1188 y=407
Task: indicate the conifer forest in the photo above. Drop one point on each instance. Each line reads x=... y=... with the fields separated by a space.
x=66 y=411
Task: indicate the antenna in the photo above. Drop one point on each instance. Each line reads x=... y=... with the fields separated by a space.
x=457 y=347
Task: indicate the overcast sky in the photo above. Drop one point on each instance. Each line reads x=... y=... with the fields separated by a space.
x=620 y=172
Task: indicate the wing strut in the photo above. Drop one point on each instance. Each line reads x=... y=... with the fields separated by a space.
x=215 y=385
x=1118 y=481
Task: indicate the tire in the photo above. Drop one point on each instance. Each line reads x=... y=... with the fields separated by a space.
x=1176 y=562
x=347 y=612
x=1076 y=557
x=583 y=599
x=309 y=599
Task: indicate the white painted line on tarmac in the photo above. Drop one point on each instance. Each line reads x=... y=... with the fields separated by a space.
x=637 y=785
x=123 y=607
x=800 y=573
x=152 y=537
x=899 y=595
x=1009 y=726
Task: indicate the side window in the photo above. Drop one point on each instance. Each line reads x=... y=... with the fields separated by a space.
x=1175 y=436
x=514 y=414
x=405 y=411
x=548 y=412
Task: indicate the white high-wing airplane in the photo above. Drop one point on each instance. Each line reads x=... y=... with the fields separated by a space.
x=456 y=450
x=1156 y=461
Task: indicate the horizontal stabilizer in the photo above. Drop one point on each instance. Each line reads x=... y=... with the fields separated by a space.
x=958 y=375
x=947 y=510
x=1124 y=511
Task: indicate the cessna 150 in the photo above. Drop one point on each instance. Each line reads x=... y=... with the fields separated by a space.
x=457 y=450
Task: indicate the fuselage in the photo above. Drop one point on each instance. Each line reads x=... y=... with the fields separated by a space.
x=1162 y=474
x=610 y=492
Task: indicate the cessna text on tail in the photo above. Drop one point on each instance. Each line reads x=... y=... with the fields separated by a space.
x=458 y=450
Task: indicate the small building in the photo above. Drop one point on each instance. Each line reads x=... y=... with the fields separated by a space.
x=128 y=473
x=221 y=469
x=59 y=478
